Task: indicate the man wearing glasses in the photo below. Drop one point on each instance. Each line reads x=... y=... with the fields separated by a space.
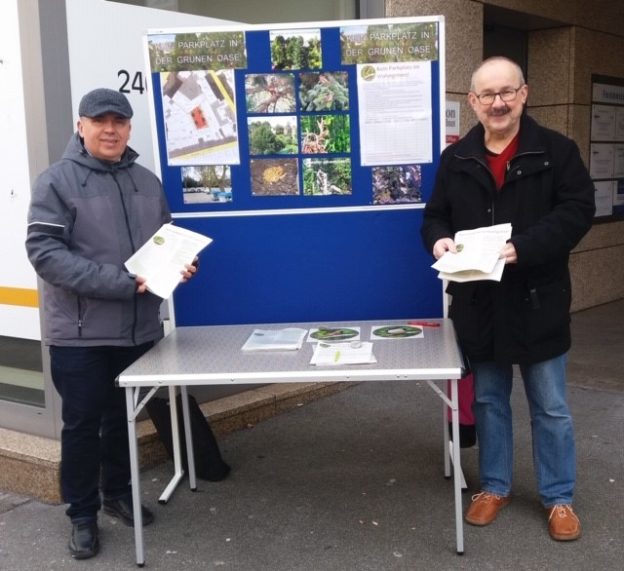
x=509 y=169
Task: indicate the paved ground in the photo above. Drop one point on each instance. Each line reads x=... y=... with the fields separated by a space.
x=353 y=482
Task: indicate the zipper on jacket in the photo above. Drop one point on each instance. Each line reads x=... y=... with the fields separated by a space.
x=134 y=318
x=125 y=210
x=79 y=317
x=127 y=222
x=487 y=168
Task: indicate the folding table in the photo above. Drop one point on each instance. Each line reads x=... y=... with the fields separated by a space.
x=211 y=355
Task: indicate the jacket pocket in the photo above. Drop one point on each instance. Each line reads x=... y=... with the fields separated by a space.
x=102 y=319
x=470 y=311
x=547 y=312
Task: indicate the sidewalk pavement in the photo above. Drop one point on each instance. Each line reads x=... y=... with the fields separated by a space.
x=354 y=482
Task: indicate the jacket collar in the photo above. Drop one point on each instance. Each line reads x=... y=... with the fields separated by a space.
x=76 y=152
x=471 y=145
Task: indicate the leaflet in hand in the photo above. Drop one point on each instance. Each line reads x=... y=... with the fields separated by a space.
x=161 y=259
x=287 y=339
x=478 y=255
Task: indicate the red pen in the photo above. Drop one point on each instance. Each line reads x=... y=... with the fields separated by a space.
x=424 y=323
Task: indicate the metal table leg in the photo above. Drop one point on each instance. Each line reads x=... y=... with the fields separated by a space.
x=131 y=413
x=177 y=457
x=458 y=476
x=452 y=450
x=188 y=435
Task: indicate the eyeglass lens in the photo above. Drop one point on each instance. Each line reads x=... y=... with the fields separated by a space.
x=505 y=95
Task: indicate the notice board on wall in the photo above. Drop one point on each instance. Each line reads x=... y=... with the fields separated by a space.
x=606 y=164
x=307 y=152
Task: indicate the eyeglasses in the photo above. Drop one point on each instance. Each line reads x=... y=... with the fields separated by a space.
x=506 y=95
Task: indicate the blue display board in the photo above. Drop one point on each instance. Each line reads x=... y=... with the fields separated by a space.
x=307 y=152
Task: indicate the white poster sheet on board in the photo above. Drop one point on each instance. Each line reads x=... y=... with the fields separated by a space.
x=601 y=161
x=395 y=113
x=604 y=197
x=603 y=123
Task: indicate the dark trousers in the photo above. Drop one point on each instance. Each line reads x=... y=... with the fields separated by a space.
x=94 y=439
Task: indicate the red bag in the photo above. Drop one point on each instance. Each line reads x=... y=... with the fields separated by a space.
x=465 y=397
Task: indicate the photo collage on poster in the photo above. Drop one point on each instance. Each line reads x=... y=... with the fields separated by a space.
x=237 y=131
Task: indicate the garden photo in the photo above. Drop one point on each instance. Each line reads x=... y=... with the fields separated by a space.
x=397 y=184
x=274 y=177
x=325 y=134
x=296 y=49
x=273 y=135
x=270 y=93
x=323 y=177
x=324 y=91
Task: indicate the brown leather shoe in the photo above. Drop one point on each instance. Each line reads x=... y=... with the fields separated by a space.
x=563 y=523
x=484 y=508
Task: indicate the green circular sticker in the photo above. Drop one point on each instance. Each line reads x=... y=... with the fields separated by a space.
x=397 y=331
x=333 y=334
x=159 y=240
x=368 y=72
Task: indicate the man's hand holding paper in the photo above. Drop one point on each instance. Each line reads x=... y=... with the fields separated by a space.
x=509 y=254
x=477 y=254
x=166 y=259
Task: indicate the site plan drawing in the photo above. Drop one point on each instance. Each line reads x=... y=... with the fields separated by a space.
x=199 y=110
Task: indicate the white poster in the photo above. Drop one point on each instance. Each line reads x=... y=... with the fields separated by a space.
x=603 y=123
x=601 y=161
x=395 y=113
x=618 y=161
x=452 y=121
x=19 y=313
x=200 y=118
x=604 y=197
x=619 y=124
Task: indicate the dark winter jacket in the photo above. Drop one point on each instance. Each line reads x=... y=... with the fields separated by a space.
x=86 y=218
x=548 y=196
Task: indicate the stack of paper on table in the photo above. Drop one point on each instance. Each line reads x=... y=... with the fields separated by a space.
x=348 y=353
x=477 y=257
x=287 y=339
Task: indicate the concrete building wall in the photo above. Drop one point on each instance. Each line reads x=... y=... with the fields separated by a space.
x=588 y=39
x=581 y=39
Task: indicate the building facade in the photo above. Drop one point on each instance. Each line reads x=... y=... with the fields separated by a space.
x=564 y=46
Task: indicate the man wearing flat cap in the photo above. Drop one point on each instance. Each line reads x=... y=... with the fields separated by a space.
x=89 y=213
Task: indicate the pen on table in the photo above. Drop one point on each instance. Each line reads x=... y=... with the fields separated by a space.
x=424 y=323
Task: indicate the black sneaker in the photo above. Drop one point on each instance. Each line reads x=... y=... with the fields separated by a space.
x=122 y=508
x=84 y=541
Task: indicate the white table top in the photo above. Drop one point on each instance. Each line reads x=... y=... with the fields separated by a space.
x=211 y=355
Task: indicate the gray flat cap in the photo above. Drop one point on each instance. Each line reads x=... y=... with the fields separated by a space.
x=101 y=101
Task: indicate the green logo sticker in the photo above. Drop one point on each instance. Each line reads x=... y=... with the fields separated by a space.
x=368 y=73
x=159 y=240
x=459 y=247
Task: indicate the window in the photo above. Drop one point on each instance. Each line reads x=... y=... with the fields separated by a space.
x=21 y=371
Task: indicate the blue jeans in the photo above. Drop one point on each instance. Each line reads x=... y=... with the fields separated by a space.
x=94 y=439
x=554 y=456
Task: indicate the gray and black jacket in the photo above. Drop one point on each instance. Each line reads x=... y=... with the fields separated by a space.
x=86 y=218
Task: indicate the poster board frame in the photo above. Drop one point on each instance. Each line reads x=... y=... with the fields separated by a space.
x=338 y=212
